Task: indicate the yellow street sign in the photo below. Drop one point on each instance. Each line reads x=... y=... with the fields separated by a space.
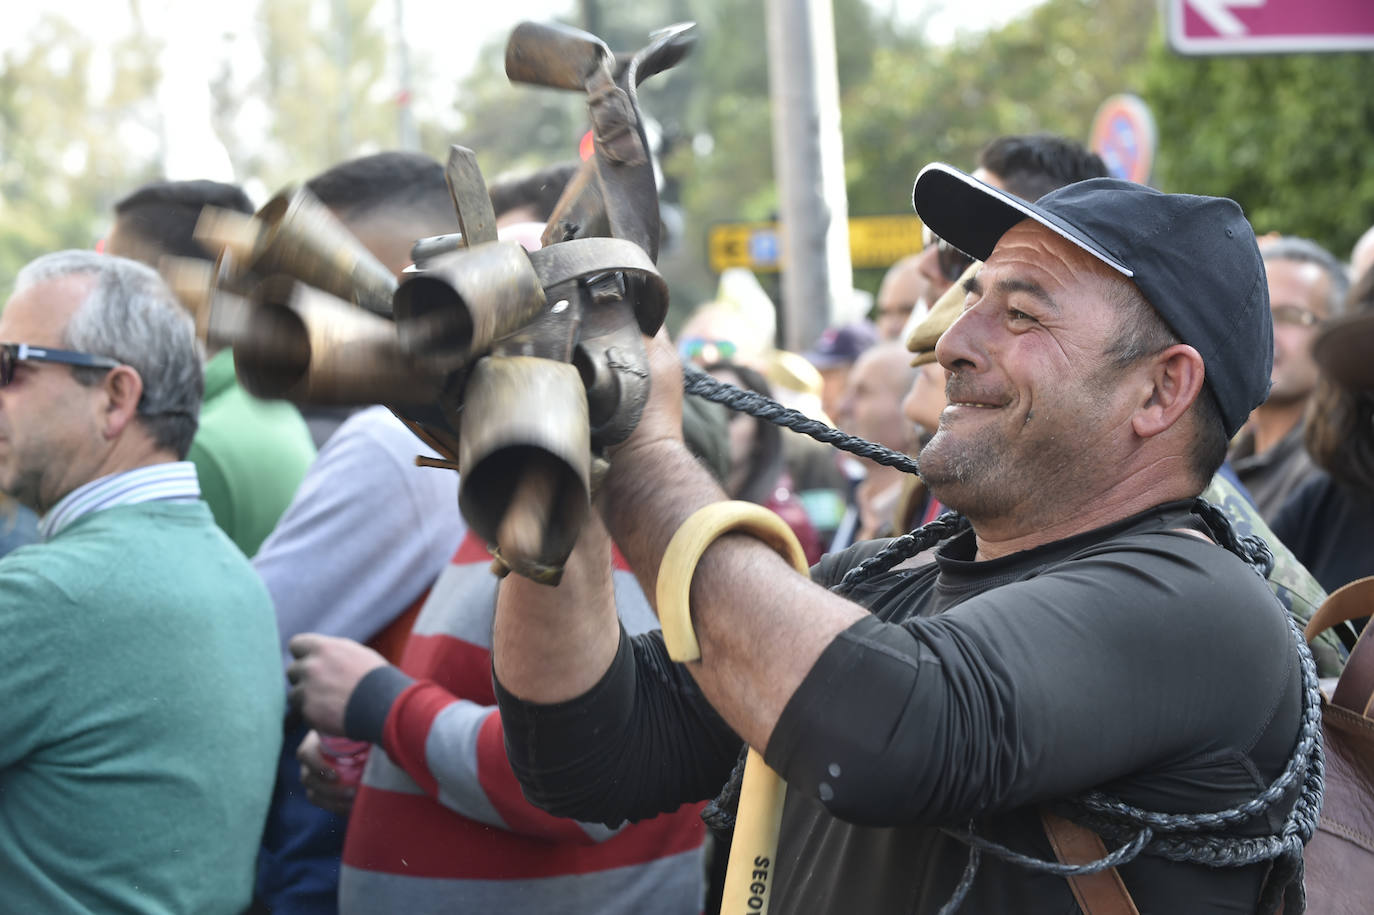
x=744 y=244
x=881 y=241
x=874 y=241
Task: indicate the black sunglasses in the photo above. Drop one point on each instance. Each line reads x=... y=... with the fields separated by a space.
x=953 y=262
x=11 y=354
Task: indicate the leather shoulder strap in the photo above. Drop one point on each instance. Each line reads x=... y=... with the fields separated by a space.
x=1348 y=602
x=1101 y=893
x=1355 y=689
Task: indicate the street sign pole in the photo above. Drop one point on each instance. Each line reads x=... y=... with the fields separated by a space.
x=808 y=162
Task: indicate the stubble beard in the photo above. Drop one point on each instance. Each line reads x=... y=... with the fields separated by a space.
x=19 y=479
x=967 y=473
x=991 y=480
x=1285 y=393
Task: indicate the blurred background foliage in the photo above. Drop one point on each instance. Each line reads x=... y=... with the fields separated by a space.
x=1287 y=136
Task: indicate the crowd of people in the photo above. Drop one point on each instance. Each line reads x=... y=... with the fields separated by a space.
x=258 y=662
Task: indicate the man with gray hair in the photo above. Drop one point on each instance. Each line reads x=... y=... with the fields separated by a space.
x=138 y=651
x=1307 y=285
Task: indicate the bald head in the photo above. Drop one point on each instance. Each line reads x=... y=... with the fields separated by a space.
x=903 y=286
x=872 y=404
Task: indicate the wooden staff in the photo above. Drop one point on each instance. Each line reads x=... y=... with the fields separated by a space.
x=749 y=876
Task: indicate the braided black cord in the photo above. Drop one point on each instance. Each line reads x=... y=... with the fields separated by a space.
x=1138 y=828
x=1250 y=548
x=956 y=899
x=903 y=548
x=703 y=385
x=720 y=813
x=1107 y=815
x=1299 y=765
x=1123 y=855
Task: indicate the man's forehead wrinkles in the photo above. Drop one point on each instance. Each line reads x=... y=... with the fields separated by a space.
x=1050 y=252
x=1030 y=253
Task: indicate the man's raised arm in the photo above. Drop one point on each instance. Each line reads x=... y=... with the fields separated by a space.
x=761 y=626
x=552 y=644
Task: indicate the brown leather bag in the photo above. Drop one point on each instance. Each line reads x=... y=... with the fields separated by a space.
x=1340 y=858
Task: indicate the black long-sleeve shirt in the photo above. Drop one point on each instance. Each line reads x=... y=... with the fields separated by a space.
x=1136 y=659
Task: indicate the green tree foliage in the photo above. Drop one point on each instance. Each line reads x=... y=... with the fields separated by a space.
x=1289 y=137
x=518 y=127
x=515 y=128
x=1047 y=71
x=904 y=103
x=77 y=130
x=723 y=161
x=324 y=85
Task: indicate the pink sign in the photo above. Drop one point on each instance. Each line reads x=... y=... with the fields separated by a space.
x=1270 y=26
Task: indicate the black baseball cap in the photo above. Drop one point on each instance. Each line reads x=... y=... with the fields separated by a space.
x=1193 y=258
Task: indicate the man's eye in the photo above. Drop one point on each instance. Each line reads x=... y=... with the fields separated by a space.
x=1017 y=315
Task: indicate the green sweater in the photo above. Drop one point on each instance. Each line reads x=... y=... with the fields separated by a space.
x=250 y=455
x=143 y=703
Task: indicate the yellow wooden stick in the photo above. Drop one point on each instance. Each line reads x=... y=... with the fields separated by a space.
x=750 y=873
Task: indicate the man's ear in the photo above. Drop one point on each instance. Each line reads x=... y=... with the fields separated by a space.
x=1175 y=381
x=123 y=388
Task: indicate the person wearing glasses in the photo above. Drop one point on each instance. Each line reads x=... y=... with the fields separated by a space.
x=1329 y=519
x=1307 y=285
x=138 y=651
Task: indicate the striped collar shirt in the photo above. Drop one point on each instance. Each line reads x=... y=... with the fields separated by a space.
x=169 y=482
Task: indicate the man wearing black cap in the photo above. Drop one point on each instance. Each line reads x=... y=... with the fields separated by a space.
x=1058 y=652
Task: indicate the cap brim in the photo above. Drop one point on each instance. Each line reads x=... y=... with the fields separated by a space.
x=973 y=216
x=1344 y=349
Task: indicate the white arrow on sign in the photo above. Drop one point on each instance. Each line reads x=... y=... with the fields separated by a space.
x=1218 y=14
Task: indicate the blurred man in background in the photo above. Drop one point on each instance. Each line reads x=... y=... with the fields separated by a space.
x=250 y=454
x=530 y=197
x=872 y=409
x=834 y=354
x=439 y=823
x=367 y=533
x=1307 y=285
x=904 y=289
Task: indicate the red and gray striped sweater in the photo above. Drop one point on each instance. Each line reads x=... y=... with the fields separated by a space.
x=440 y=824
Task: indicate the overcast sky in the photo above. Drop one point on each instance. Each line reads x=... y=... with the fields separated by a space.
x=444 y=35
